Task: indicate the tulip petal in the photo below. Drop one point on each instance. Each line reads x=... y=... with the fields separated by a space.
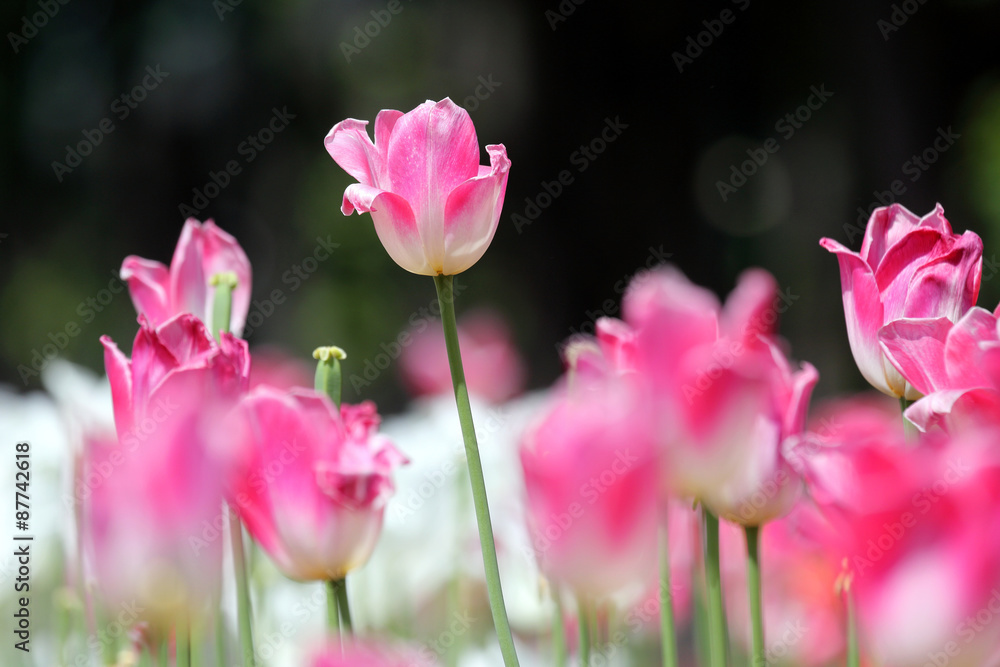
x=472 y=213
x=863 y=312
x=886 y=226
x=149 y=288
x=385 y=122
x=119 y=371
x=221 y=253
x=432 y=150
x=962 y=349
x=350 y=146
x=743 y=317
x=394 y=223
x=948 y=285
x=915 y=347
x=188 y=282
x=803 y=383
x=898 y=266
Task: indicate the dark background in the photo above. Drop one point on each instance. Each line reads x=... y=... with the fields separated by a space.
x=555 y=84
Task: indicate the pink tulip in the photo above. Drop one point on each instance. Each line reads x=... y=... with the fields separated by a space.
x=312 y=482
x=434 y=207
x=908 y=267
x=956 y=366
x=371 y=655
x=203 y=251
x=151 y=495
x=727 y=398
x=493 y=367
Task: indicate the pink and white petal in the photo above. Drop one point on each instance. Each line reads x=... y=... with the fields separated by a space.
x=935 y=410
x=186 y=338
x=863 y=313
x=617 y=343
x=963 y=358
x=119 y=371
x=886 y=226
x=803 y=383
x=915 y=347
x=936 y=220
x=151 y=362
x=948 y=285
x=397 y=229
x=895 y=273
x=350 y=146
x=188 y=282
x=471 y=216
x=385 y=122
x=149 y=287
x=743 y=315
x=223 y=253
x=432 y=150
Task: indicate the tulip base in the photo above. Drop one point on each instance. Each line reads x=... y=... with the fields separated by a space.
x=446 y=301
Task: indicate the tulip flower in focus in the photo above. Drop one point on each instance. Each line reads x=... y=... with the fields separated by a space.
x=908 y=267
x=956 y=366
x=493 y=368
x=203 y=251
x=312 y=483
x=727 y=399
x=155 y=487
x=592 y=485
x=435 y=208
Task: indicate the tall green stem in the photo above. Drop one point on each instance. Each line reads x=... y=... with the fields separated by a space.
x=224 y=284
x=340 y=588
x=182 y=642
x=853 y=654
x=332 y=614
x=754 y=595
x=558 y=630
x=446 y=300
x=668 y=636
x=713 y=584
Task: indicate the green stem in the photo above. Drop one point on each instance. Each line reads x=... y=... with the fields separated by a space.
x=165 y=653
x=332 y=614
x=242 y=589
x=908 y=427
x=853 y=654
x=558 y=630
x=754 y=595
x=182 y=640
x=584 y=624
x=668 y=636
x=328 y=376
x=446 y=300
x=713 y=583
x=340 y=588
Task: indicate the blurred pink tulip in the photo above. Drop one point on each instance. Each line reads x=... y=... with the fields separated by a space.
x=908 y=267
x=153 y=497
x=956 y=366
x=434 y=207
x=203 y=250
x=493 y=368
x=727 y=399
x=312 y=483
x=592 y=488
x=369 y=654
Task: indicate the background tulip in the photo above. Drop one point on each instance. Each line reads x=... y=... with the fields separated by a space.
x=203 y=251
x=434 y=207
x=312 y=483
x=908 y=267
